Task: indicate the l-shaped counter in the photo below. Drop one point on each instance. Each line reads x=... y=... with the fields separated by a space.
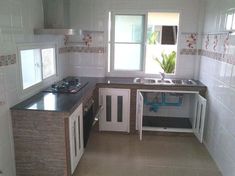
x=41 y=124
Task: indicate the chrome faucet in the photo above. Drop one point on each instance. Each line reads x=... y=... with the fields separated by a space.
x=162 y=75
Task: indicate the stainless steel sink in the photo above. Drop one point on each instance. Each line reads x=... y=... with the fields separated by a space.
x=177 y=81
x=165 y=81
x=145 y=80
x=190 y=82
x=184 y=82
x=152 y=81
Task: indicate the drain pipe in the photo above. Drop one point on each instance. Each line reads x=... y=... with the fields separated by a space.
x=154 y=106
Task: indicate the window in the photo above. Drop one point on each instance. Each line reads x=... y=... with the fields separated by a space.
x=230 y=20
x=48 y=61
x=37 y=64
x=128 y=41
x=162 y=29
x=136 y=43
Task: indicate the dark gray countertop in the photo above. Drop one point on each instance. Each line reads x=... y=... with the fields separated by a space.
x=58 y=102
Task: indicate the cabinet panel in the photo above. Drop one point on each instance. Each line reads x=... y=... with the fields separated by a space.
x=196 y=118
x=116 y=113
x=199 y=117
x=76 y=137
x=139 y=113
x=120 y=108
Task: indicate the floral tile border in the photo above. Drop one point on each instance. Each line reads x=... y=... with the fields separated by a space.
x=213 y=55
x=228 y=58
x=188 y=51
x=79 y=49
x=7 y=60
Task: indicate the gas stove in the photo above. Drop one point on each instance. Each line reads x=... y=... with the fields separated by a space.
x=68 y=85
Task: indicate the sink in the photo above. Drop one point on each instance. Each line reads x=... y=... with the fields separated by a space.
x=165 y=81
x=152 y=81
x=177 y=81
x=184 y=82
x=189 y=82
x=145 y=80
x=149 y=81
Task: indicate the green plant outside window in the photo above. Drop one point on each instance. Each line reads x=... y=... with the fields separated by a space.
x=167 y=62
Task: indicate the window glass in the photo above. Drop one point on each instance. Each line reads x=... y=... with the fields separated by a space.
x=31 y=67
x=48 y=62
x=36 y=65
x=162 y=31
x=233 y=25
x=127 y=57
x=128 y=44
x=134 y=42
x=128 y=28
x=229 y=21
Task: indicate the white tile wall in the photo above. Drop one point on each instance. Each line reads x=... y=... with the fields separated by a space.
x=185 y=66
x=18 y=18
x=219 y=78
x=6 y=148
x=87 y=64
x=93 y=15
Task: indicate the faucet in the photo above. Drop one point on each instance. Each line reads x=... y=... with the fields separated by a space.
x=162 y=75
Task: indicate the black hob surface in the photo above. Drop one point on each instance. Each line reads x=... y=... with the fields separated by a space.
x=68 y=85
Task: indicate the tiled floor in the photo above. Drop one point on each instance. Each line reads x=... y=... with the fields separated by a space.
x=113 y=154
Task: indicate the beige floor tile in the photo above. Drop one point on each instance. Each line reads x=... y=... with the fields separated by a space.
x=115 y=154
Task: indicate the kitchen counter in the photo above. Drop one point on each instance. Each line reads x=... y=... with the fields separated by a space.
x=42 y=123
x=58 y=102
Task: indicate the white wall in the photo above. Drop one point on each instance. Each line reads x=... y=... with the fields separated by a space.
x=93 y=15
x=17 y=20
x=219 y=76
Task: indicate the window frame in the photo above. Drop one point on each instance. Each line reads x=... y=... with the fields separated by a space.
x=110 y=36
x=230 y=12
x=112 y=42
x=43 y=81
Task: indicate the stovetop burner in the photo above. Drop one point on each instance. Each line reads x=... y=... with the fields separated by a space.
x=67 y=85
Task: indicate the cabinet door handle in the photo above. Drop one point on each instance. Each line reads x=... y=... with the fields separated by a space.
x=75 y=137
x=79 y=133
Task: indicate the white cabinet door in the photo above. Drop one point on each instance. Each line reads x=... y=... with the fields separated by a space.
x=76 y=137
x=115 y=115
x=199 y=117
x=197 y=122
x=139 y=113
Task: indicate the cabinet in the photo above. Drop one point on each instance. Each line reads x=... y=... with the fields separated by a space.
x=54 y=141
x=197 y=113
x=115 y=115
x=76 y=137
x=199 y=117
